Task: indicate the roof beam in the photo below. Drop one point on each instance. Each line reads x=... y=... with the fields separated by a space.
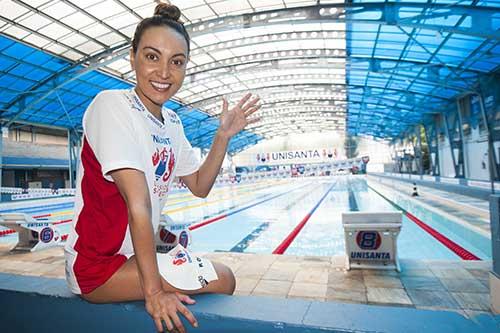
x=389 y=13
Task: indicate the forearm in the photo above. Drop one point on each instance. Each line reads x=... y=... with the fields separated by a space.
x=142 y=234
x=211 y=166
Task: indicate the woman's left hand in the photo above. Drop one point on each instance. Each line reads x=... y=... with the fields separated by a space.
x=234 y=120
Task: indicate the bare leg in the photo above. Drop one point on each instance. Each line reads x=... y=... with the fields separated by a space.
x=125 y=285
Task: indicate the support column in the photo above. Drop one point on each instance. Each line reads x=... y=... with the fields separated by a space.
x=74 y=144
x=493 y=166
x=432 y=142
x=1 y=160
x=456 y=142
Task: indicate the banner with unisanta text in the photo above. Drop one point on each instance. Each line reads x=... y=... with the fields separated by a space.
x=315 y=155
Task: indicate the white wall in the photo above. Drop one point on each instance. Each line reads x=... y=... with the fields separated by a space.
x=476 y=156
x=445 y=159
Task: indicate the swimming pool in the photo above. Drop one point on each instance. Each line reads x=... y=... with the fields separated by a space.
x=257 y=217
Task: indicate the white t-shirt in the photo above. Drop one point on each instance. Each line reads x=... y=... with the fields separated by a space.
x=119 y=132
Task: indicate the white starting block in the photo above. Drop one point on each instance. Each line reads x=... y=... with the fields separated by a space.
x=371 y=239
x=33 y=235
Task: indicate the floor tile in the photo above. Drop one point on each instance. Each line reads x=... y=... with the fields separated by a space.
x=464 y=285
x=440 y=299
x=282 y=271
x=307 y=290
x=451 y=273
x=473 y=301
x=246 y=284
x=271 y=287
x=312 y=276
x=422 y=283
x=388 y=296
x=333 y=294
x=382 y=281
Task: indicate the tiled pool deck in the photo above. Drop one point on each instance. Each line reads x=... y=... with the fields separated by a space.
x=442 y=285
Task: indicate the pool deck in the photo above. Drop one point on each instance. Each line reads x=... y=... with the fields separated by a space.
x=456 y=286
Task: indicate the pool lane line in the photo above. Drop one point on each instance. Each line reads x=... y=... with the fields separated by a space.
x=451 y=245
x=242 y=245
x=353 y=204
x=220 y=217
x=206 y=203
x=290 y=238
x=245 y=242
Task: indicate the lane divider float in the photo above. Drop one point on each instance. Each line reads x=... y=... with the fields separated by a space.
x=463 y=253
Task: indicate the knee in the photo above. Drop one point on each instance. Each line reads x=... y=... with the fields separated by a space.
x=227 y=279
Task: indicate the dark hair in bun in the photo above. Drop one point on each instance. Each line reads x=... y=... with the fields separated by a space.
x=169 y=11
x=164 y=15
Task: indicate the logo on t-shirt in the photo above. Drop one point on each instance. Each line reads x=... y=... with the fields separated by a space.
x=172 y=117
x=164 y=162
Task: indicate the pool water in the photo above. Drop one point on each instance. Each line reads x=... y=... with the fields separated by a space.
x=262 y=215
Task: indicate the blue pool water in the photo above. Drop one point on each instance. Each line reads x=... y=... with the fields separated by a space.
x=276 y=207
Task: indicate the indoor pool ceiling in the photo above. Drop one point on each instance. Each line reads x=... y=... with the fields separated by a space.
x=372 y=68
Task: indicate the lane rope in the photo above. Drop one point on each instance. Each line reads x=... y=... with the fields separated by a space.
x=463 y=253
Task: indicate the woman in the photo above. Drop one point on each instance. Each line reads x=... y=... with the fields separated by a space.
x=132 y=150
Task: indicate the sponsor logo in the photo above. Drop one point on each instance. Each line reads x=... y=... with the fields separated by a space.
x=46 y=235
x=166 y=236
x=36 y=225
x=200 y=262
x=164 y=161
x=202 y=281
x=371 y=255
x=135 y=103
x=160 y=140
x=172 y=117
x=368 y=240
x=184 y=238
x=181 y=257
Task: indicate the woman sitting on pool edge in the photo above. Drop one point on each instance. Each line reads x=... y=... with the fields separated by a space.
x=132 y=149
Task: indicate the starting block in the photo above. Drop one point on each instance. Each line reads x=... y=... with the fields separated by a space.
x=371 y=239
x=33 y=235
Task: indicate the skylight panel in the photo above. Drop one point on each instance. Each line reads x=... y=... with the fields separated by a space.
x=223 y=54
x=58 y=10
x=201 y=59
x=111 y=39
x=77 y=20
x=56 y=48
x=230 y=6
x=36 y=40
x=74 y=40
x=54 y=31
x=105 y=9
x=89 y=47
x=72 y=55
x=146 y=10
x=122 y=20
x=35 y=22
x=16 y=32
x=205 y=39
x=201 y=12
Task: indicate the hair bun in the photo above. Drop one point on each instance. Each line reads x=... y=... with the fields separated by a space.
x=168 y=11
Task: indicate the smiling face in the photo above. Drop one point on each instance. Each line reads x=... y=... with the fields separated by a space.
x=160 y=66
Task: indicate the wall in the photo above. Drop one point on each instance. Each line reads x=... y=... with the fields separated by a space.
x=445 y=158
x=379 y=152
x=29 y=149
